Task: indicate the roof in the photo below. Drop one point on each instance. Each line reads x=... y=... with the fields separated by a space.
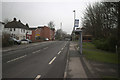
x=32 y=28
x=2 y=23
x=16 y=24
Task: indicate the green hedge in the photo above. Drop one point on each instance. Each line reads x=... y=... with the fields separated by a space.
x=5 y=40
x=106 y=44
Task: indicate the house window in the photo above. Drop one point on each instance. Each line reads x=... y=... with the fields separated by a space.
x=10 y=29
x=14 y=29
x=24 y=31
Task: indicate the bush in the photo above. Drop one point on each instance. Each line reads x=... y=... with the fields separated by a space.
x=5 y=40
x=106 y=44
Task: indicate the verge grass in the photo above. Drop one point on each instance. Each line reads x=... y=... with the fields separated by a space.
x=92 y=53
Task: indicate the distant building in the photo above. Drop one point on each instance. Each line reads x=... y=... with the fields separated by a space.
x=42 y=32
x=18 y=30
x=86 y=36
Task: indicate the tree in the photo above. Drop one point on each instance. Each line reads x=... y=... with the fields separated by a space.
x=60 y=34
x=101 y=21
x=51 y=24
x=6 y=40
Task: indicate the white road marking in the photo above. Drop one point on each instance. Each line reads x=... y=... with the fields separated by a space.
x=52 y=60
x=38 y=76
x=36 y=51
x=62 y=48
x=59 y=52
x=45 y=48
x=16 y=59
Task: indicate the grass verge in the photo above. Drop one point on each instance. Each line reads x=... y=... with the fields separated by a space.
x=92 y=53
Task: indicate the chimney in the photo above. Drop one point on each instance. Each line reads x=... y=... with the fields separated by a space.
x=19 y=21
x=27 y=25
x=14 y=19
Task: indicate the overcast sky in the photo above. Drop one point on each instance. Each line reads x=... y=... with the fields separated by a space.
x=40 y=12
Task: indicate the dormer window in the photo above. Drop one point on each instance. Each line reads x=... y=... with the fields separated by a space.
x=14 y=29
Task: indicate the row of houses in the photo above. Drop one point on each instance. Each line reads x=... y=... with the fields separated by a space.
x=20 y=31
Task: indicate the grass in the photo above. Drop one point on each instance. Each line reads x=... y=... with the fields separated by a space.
x=90 y=51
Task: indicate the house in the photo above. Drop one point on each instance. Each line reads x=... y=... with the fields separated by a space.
x=42 y=32
x=1 y=27
x=18 y=30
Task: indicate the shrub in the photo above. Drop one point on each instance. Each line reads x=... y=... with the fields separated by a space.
x=5 y=40
x=106 y=44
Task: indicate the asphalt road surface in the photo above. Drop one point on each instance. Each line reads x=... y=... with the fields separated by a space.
x=46 y=60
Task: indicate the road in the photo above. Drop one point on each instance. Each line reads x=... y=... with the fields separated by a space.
x=46 y=60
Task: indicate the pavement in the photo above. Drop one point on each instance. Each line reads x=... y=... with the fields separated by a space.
x=75 y=68
x=78 y=67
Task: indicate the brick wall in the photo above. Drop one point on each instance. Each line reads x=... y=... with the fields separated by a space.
x=43 y=32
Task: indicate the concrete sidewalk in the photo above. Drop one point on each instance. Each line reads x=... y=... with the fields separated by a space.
x=74 y=66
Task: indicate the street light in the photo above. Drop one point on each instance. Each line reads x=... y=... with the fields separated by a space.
x=74 y=24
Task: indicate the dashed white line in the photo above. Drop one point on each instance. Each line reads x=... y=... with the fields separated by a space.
x=62 y=48
x=52 y=60
x=16 y=59
x=45 y=48
x=59 y=52
x=38 y=76
x=36 y=51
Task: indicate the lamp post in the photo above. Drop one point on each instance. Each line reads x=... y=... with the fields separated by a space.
x=74 y=25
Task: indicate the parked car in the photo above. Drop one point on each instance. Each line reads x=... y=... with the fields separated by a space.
x=15 y=41
x=24 y=41
x=46 y=39
x=29 y=40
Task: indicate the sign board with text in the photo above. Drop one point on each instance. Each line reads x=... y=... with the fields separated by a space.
x=76 y=23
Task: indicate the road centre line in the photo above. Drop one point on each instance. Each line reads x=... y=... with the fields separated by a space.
x=52 y=60
x=16 y=59
x=37 y=78
x=62 y=48
x=59 y=52
x=36 y=51
x=45 y=48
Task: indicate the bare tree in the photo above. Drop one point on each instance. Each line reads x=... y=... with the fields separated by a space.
x=51 y=24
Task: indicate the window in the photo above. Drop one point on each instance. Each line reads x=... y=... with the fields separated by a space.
x=10 y=29
x=24 y=31
x=14 y=29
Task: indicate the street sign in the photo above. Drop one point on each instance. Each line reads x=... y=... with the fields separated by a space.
x=76 y=23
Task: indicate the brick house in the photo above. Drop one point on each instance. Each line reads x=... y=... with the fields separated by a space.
x=42 y=32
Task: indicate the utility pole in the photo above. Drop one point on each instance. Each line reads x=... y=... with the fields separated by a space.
x=73 y=33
